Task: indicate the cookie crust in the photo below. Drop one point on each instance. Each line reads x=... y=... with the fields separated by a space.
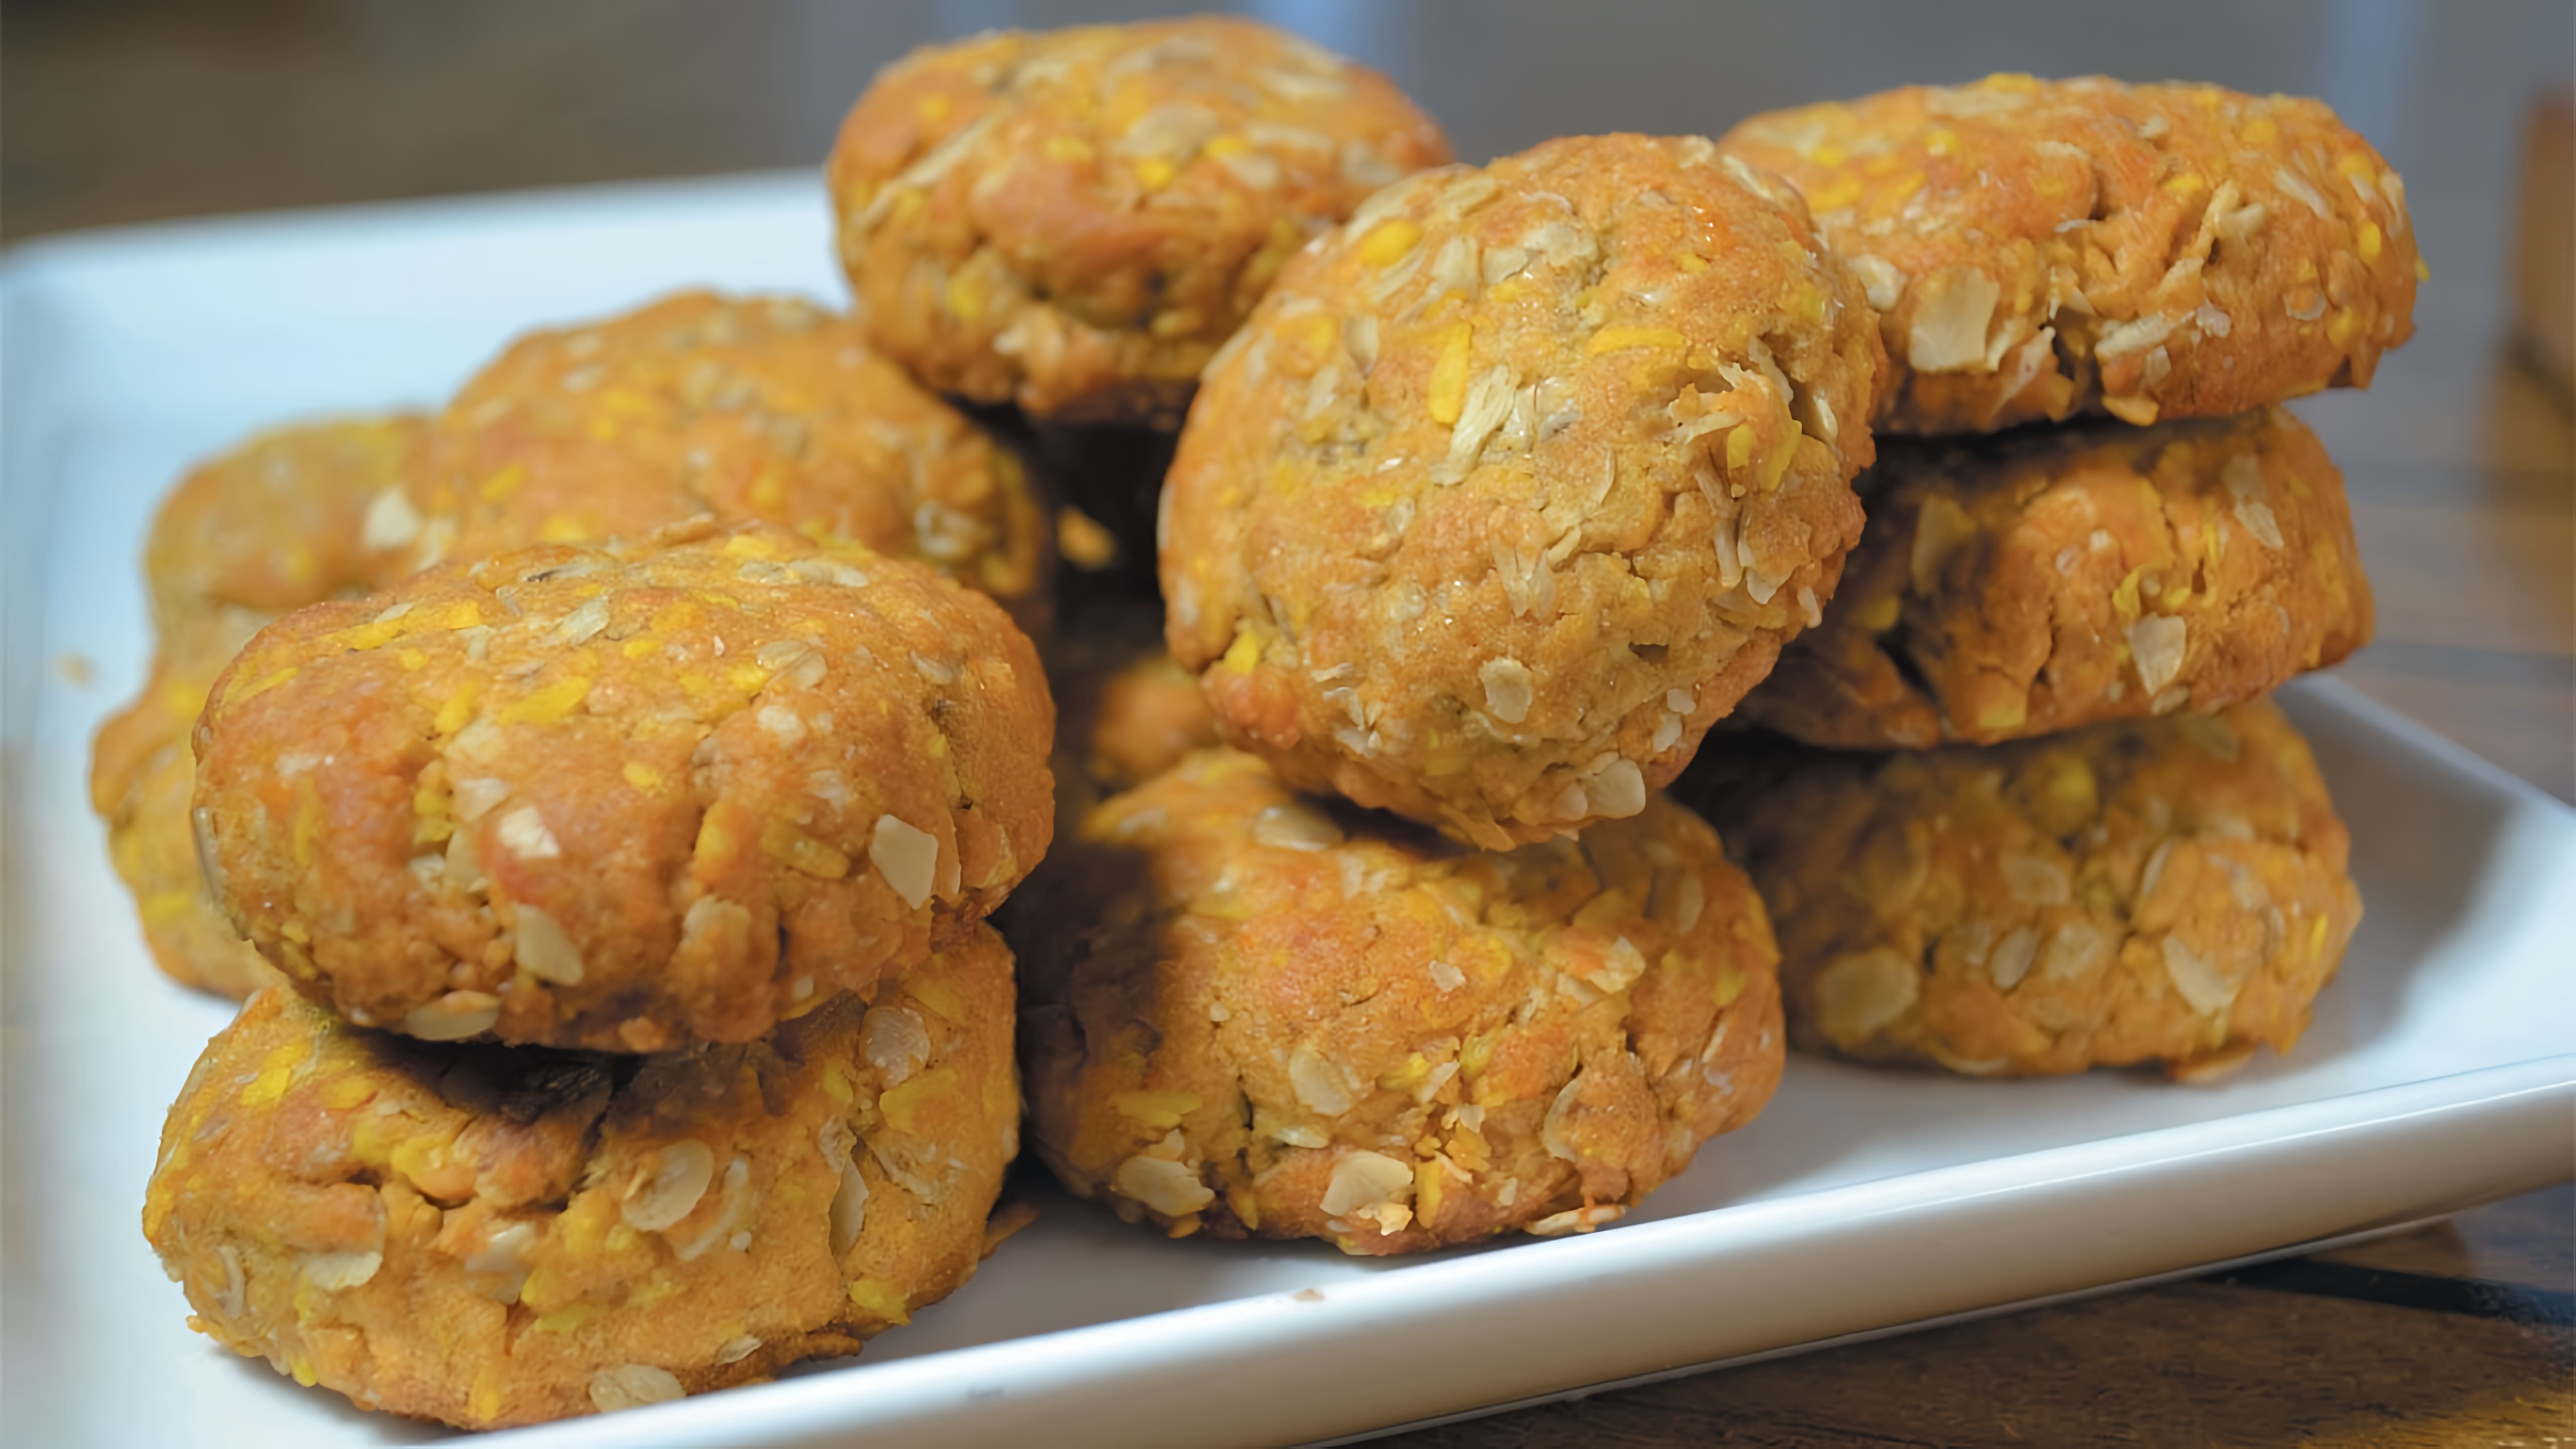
x=1514 y=485
x=2170 y=891
x=764 y=408
x=1255 y=1014
x=1074 y=220
x=624 y=801
x=492 y=1237
x=2052 y=578
x=2044 y=249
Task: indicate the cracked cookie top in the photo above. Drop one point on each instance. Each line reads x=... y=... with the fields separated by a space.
x=624 y=800
x=1074 y=220
x=2041 y=249
x=1516 y=483
x=1254 y=1013
x=279 y=521
x=755 y=407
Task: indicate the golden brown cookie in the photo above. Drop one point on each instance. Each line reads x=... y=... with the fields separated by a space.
x=746 y=408
x=142 y=777
x=2168 y=890
x=2040 y=249
x=2050 y=578
x=279 y=522
x=625 y=801
x=1513 y=486
x=273 y=525
x=490 y=1236
x=1076 y=219
x=1252 y=1013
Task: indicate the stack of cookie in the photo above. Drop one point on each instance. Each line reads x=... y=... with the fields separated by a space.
x=2099 y=845
x=621 y=1021
x=1248 y=1010
x=1438 y=548
x=1059 y=228
x=740 y=409
x=614 y=820
x=624 y=858
x=1438 y=544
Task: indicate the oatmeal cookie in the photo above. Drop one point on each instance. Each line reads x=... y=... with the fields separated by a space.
x=2050 y=578
x=490 y=1236
x=624 y=801
x=1251 y=1013
x=273 y=525
x=2040 y=249
x=764 y=408
x=280 y=522
x=2165 y=890
x=142 y=775
x=1513 y=486
x=1076 y=219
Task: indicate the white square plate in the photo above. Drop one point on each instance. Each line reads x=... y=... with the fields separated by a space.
x=2441 y=1071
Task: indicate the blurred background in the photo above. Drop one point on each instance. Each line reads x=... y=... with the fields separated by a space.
x=120 y=111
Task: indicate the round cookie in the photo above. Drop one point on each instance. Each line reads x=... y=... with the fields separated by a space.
x=1074 y=220
x=490 y=1237
x=2168 y=890
x=1255 y=1014
x=141 y=780
x=746 y=408
x=2040 y=249
x=1513 y=486
x=2050 y=578
x=273 y=525
x=279 y=522
x=624 y=801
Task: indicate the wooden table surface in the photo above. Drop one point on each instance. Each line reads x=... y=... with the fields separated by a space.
x=2461 y=466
